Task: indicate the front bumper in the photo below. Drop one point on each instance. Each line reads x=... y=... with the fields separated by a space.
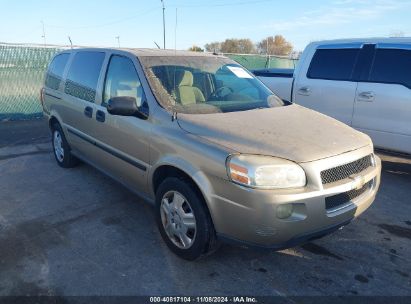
x=249 y=215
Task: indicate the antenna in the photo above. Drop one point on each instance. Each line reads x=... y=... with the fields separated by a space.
x=174 y=116
x=71 y=43
x=157 y=45
x=118 y=40
x=44 y=33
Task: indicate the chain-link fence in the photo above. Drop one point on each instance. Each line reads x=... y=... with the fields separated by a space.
x=22 y=69
x=253 y=62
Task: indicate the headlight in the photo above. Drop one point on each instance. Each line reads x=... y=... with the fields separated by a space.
x=265 y=172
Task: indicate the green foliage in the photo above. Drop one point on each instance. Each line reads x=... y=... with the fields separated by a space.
x=276 y=45
x=196 y=48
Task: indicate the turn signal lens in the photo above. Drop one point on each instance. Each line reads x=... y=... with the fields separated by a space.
x=239 y=174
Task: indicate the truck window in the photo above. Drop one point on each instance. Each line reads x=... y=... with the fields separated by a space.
x=122 y=80
x=83 y=75
x=392 y=66
x=333 y=64
x=55 y=72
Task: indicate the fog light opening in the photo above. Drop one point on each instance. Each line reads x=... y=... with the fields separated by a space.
x=284 y=211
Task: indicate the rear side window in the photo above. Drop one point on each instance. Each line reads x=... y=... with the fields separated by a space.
x=336 y=64
x=392 y=66
x=83 y=75
x=55 y=72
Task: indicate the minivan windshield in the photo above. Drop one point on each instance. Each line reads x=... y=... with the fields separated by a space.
x=205 y=84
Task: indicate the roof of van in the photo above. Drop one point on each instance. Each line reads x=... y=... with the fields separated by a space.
x=141 y=52
x=393 y=40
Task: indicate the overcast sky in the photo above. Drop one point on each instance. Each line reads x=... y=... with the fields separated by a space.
x=138 y=23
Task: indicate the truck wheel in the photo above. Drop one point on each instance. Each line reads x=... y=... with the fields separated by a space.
x=61 y=148
x=183 y=220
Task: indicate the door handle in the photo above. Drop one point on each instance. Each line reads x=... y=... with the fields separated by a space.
x=366 y=96
x=88 y=111
x=100 y=116
x=304 y=91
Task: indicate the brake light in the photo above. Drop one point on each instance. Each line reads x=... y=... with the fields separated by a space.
x=42 y=97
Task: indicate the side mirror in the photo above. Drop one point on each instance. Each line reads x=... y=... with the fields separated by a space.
x=125 y=106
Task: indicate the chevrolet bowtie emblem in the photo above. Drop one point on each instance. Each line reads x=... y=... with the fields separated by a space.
x=357 y=182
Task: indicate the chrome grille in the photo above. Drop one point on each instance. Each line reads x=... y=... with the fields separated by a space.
x=334 y=201
x=344 y=171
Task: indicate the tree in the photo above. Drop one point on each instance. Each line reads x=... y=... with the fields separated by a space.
x=277 y=45
x=240 y=46
x=196 y=48
x=214 y=47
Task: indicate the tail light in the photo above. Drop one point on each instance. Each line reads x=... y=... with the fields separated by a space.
x=42 y=97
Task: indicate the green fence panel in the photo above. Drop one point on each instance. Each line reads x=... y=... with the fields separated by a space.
x=254 y=62
x=22 y=70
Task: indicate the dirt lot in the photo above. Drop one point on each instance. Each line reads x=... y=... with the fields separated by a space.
x=76 y=232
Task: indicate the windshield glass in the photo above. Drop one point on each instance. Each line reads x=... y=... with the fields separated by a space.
x=205 y=84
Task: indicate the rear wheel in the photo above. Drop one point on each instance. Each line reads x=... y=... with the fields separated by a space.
x=61 y=148
x=183 y=219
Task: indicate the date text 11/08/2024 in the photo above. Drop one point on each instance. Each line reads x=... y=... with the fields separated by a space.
x=209 y=299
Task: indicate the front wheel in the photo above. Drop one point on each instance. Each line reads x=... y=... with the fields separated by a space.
x=183 y=219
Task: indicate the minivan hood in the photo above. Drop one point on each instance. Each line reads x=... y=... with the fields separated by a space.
x=291 y=132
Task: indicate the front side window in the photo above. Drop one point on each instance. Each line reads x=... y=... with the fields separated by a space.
x=122 y=80
x=55 y=72
x=392 y=66
x=205 y=84
x=333 y=64
x=83 y=75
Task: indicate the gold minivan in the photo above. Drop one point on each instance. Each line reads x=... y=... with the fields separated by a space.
x=219 y=155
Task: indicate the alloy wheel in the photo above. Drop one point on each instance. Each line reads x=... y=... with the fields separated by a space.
x=58 y=145
x=178 y=219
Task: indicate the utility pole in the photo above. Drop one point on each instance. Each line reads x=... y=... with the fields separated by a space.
x=175 y=34
x=44 y=33
x=164 y=25
x=118 y=40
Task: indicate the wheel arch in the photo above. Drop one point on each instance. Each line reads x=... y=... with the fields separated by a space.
x=55 y=118
x=177 y=167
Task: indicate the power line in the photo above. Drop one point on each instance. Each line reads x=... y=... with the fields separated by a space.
x=105 y=24
x=230 y=3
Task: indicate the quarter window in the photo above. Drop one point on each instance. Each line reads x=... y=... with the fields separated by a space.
x=55 y=72
x=333 y=64
x=392 y=66
x=122 y=80
x=83 y=75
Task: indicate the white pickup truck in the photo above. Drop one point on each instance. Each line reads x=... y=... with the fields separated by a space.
x=365 y=83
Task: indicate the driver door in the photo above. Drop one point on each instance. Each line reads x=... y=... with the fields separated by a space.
x=124 y=140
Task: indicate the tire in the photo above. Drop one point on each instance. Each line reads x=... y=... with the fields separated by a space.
x=61 y=148
x=186 y=209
